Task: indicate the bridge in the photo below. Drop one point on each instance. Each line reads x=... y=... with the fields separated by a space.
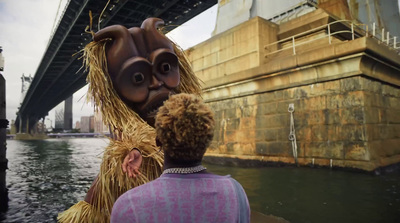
x=59 y=75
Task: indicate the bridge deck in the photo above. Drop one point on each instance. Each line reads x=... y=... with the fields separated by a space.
x=59 y=75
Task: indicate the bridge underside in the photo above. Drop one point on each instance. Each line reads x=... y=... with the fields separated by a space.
x=59 y=74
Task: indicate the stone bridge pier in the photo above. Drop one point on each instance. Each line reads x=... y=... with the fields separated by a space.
x=30 y=127
x=345 y=89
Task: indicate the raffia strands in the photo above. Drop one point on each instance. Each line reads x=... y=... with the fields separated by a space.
x=81 y=212
x=129 y=130
x=112 y=182
x=102 y=93
x=189 y=82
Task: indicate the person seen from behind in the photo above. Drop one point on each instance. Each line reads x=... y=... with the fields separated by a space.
x=186 y=191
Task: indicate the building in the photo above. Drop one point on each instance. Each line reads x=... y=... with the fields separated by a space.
x=77 y=125
x=40 y=127
x=63 y=115
x=59 y=117
x=87 y=124
x=68 y=114
x=91 y=126
x=99 y=126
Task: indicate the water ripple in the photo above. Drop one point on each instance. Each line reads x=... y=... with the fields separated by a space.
x=46 y=177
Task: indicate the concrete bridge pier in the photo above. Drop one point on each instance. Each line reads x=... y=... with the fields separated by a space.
x=342 y=82
x=23 y=125
x=28 y=128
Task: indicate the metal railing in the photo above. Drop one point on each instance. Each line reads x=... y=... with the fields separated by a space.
x=293 y=10
x=356 y=31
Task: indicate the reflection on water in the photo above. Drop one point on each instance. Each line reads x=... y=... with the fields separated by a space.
x=46 y=177
x=319 y=195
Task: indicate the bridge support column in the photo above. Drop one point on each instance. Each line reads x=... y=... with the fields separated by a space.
x=27 y=125
x=20 y=125
x=31 y=128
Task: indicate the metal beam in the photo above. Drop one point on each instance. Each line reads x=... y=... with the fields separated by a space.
x=33 y=88
x=49 y=86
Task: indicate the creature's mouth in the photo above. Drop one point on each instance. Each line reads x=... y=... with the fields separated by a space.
x=156 y=100
x=151 y=110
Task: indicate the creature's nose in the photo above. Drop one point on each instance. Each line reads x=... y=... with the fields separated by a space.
x=155 y=83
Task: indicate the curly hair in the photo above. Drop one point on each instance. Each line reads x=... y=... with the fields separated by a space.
x=185 y=127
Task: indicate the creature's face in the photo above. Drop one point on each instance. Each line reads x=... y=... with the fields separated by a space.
x=142 y=65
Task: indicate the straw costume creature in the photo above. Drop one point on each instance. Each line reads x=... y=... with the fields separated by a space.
x=131 y=73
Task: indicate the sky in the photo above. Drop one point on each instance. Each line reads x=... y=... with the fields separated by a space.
x=25 y=30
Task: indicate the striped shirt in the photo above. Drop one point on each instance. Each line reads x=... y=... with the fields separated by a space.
x=184 y=198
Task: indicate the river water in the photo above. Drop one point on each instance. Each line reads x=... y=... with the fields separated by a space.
x=46 y=177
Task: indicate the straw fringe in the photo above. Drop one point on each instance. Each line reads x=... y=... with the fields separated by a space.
x=101 y=91
x=113 y=182
x=189 y=82
x=81 y=212
x=129 y=131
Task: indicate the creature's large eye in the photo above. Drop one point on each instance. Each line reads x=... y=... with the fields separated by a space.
x=133 y=80
x=165 y=67
x=137 y=78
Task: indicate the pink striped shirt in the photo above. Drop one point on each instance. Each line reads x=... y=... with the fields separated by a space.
x=184 y=198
